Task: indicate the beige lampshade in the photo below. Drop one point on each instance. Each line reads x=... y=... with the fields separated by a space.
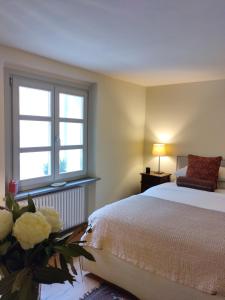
x=159 y=149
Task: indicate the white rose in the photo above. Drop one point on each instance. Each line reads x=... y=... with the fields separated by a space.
x=53 y=218
x=31 y=229
x=6 y=223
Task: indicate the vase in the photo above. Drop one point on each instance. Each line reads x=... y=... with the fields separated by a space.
x=36 y=291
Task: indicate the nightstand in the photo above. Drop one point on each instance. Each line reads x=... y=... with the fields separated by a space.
x=152 y=179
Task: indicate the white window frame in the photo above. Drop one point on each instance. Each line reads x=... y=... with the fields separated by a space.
x=54 y=89
x=83 y=121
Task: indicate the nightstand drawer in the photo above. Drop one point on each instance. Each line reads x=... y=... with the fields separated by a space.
x=152 y=179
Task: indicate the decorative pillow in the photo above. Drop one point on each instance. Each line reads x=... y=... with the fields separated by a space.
x=183 y=172
x=195 y=183
x=206 y=168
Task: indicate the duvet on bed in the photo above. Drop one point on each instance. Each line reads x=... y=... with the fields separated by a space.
x=183 y=241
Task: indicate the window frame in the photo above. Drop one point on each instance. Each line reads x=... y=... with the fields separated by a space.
x=54 y=88
x=84 y=121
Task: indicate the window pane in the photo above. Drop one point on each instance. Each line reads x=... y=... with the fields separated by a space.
x=34 y=102
x=70 y=133
x=35 y=133
x=71 y=106
x=35 y=164
x=70 y=160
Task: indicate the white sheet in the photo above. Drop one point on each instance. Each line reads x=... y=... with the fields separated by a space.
x=170 y=191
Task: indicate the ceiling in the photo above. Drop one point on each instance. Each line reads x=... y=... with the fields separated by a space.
x=148 y=42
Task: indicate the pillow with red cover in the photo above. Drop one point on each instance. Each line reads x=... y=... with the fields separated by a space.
x=195 y=183
x=205 y=168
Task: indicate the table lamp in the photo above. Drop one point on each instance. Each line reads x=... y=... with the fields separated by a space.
x=159 y=150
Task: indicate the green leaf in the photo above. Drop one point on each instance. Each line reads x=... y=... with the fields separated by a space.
x=63 y=262
x=4 y=247
x=49 y=275
x=49 y=251
x=14 y=260
x=15 y=206
x=81 y=251
x=39 y=255
x=73 y=269
x=65 y=251
x=9 y=200
x=18 y=212
x=31 y=205
x=59 y=240
x=74 y=250
x=78 y=242
x=34 y=252
x=55 y=236
x=64 y=266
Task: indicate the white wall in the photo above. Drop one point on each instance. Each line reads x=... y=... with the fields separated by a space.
x=118 y=127
x=190 y=117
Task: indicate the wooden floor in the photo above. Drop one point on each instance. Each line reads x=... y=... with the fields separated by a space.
x=85 y=283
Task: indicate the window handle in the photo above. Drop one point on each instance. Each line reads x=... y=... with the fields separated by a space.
x=57 y=140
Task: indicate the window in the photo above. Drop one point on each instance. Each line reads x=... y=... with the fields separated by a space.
x=49 y=132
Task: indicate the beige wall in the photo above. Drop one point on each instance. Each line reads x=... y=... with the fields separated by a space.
x=190 y=117
x=116 y=146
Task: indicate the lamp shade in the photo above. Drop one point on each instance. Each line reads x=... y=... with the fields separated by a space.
x=159 y=149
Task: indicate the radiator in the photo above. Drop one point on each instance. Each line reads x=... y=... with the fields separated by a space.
x=69 y=203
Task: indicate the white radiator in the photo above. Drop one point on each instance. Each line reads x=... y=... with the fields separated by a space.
x=69 y=203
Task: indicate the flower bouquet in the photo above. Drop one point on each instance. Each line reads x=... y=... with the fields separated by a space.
x=33 y=250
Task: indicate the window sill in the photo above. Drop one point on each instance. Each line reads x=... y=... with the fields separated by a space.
x=48 y=189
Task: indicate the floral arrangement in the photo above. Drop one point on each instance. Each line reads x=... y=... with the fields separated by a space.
x=33 y=250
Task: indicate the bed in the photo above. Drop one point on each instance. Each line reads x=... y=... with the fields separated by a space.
x=166 y=243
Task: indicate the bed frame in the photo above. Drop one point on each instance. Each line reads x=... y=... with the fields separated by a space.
x=143 y=284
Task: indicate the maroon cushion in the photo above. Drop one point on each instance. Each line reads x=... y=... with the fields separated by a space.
x=206 y=168
x=195 y=183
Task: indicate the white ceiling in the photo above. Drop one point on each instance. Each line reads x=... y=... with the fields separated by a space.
x=149 y=42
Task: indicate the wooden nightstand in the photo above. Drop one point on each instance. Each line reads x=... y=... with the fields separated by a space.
x=152 y=179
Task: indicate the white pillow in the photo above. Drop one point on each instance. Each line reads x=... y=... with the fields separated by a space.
x=183 y=171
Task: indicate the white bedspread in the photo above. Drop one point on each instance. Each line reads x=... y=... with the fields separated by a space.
x=175 y=232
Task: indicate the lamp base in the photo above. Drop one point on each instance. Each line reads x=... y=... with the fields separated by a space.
x=159 y=173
